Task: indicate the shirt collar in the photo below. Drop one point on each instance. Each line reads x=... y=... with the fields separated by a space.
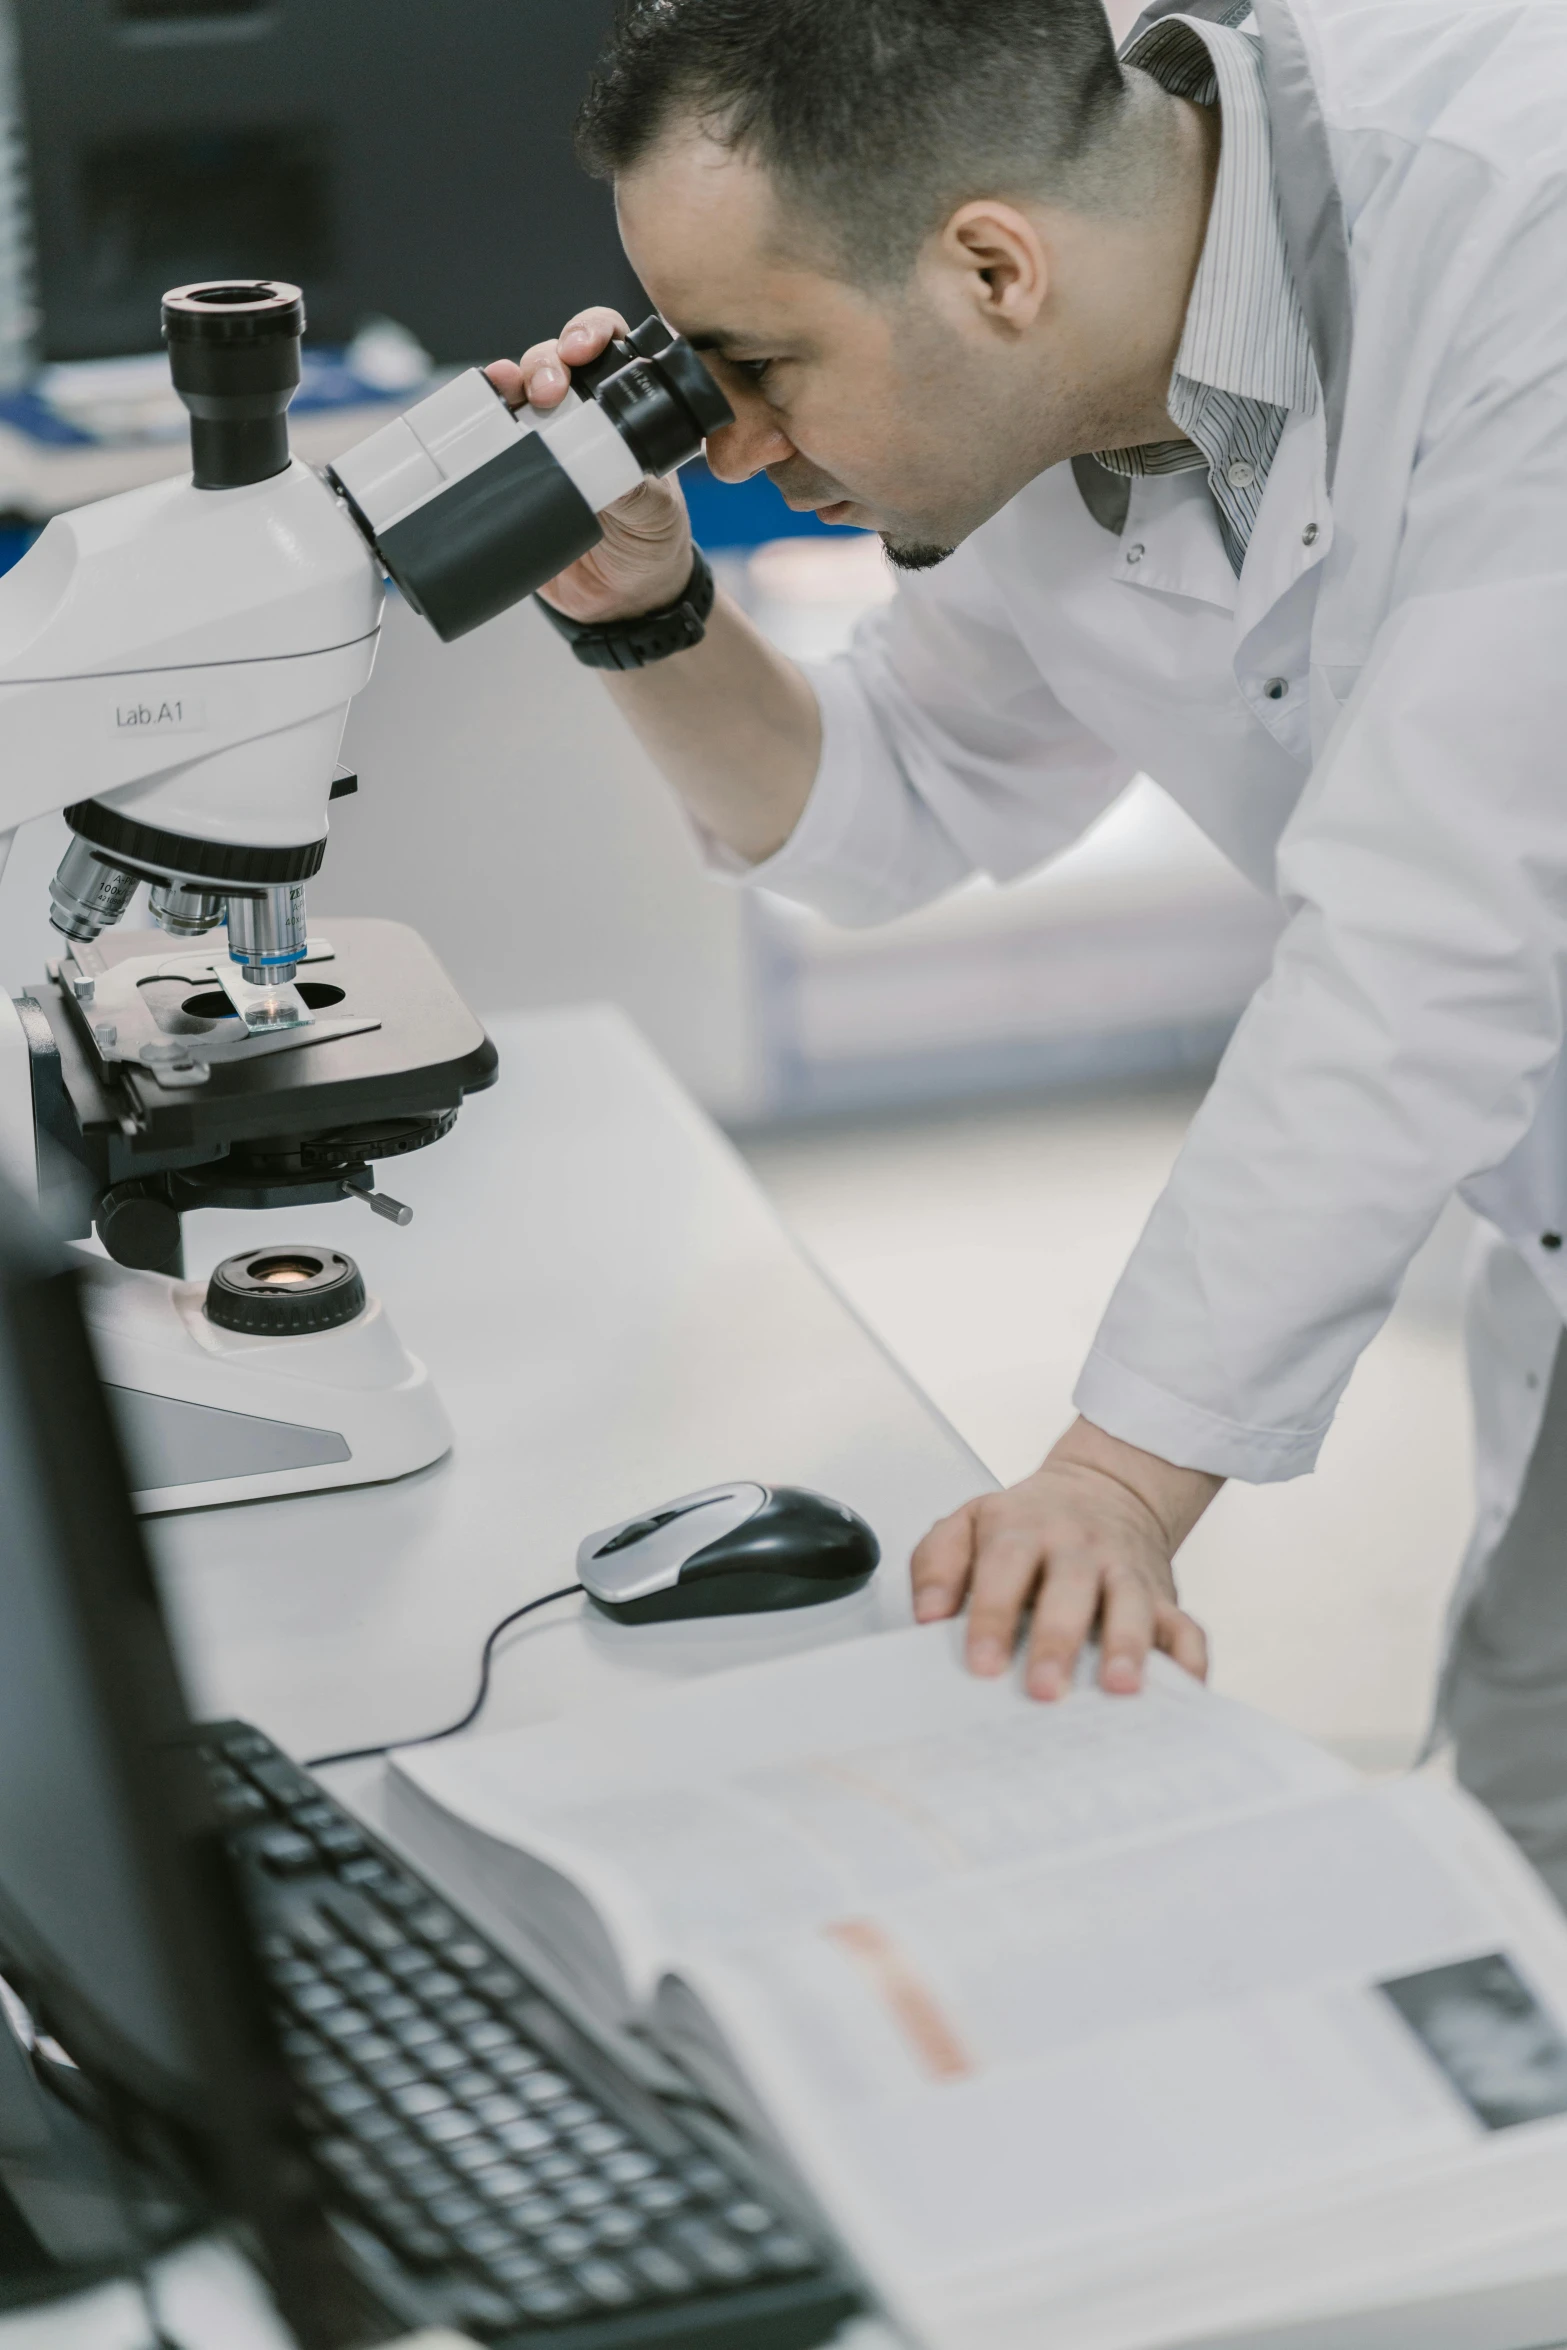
x=1245 y=331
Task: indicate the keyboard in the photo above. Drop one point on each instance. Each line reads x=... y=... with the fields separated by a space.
x=489 y=2165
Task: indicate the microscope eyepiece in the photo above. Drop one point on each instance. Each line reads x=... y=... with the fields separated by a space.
x=234 y=356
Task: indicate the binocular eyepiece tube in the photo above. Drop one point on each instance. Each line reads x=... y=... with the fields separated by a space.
x=471 y=507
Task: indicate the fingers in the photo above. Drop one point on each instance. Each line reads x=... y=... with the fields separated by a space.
x=940 y=1566
x=1183 y=1640
x=1063 y=1619
x=1008 y=1559
x=542 y=376
x=1127 y=1623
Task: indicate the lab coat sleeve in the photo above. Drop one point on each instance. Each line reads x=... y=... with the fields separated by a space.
x=944 y=753
x=1403 y=1041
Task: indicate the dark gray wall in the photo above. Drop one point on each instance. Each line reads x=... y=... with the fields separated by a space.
x=406 y=157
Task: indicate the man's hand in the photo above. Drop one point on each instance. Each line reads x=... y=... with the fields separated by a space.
x=643 y=561
x=1087 y=1539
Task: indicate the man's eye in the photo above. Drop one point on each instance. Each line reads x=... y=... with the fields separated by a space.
x=755 y=371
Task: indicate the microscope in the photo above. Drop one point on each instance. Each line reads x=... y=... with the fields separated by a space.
x=176 y=665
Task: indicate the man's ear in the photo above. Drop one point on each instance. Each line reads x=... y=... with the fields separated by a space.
x=993 y=259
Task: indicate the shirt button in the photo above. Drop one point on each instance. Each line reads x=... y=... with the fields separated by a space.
x=1310 y=535
x=1550 y=1240
x=1276 y=688
x=1240 y=474
x=1135 y=554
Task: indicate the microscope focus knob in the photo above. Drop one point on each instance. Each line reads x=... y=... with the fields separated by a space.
x=139 y=1229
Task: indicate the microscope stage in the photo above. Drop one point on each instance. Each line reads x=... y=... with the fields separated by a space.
x=389 y=1055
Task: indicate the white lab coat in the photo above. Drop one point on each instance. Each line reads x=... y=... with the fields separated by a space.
x=1369 y=721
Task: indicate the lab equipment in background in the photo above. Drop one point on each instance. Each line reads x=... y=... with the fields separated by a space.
x=396 y=159
x=176 y=666
x=731 y=1550
x=18 y=289
x=271 y=2021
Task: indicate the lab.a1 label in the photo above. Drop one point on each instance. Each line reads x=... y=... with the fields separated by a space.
x=160 y=714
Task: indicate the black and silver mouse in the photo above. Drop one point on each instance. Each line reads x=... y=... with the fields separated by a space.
x=732 y=1550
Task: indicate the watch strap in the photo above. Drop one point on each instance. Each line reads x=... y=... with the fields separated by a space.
x=647 y=636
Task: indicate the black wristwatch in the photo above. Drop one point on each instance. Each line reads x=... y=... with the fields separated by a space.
x=650 y=636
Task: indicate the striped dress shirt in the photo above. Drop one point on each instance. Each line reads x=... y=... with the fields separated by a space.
x=1245 y=357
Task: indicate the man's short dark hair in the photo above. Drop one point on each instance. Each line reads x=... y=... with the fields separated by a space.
x=878 y=117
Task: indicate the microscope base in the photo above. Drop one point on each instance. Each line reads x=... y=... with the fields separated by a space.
x=210 y=1415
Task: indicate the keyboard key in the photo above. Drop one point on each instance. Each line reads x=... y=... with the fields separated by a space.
x=598 y=2138
x=447 y=2129
x=705 y=2178
x=312 y=1815
x=624 y=2168
x=441 y=2057
x=618 y=2226
x=714 y=2253
x=433 y=1922
x=315 y=1998
x=573 y=2113
x=538 y=2088
x=584 y=2194
x=515 y=2267
x=379 y=1933
x=660 y=2269
x=657 y=2195
x=475 y=2154
x=550 y=2299
x=391 y=2009
x=318 y=2071
x=389 y=2072
x=565 y=2242
x=440 y=1985
x=485 y=2236
x=340 y=1841
x=554 y=2167
x=415 y=2030
x=521 y=2137
x=784 y=2253
x=343 y=2099
x=470 y=2085
x=367 y=1872
x=513 y=2062
x=498 y=1982
x=242 y=1803
x=344 y=2025
x=422 y=2246
x=748 y=2219
x=509 y=2183
x=464 y=1952
x=282 y=1782
x=454 y=2209
x=491 y=2040
x=422 y=2098
x=463 y=2010
x=604 y=2283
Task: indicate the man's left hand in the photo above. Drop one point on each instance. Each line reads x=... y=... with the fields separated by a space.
x=1087 y=1540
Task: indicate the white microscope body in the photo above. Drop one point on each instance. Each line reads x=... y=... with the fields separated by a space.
x=176 y=666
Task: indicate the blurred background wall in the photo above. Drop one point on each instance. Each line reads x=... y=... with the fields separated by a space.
x=967 y=1114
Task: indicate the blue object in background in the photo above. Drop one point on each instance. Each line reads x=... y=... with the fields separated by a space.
x=15 y=540
x=743 y=513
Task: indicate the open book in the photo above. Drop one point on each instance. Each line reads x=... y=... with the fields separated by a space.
x=1104 y=2025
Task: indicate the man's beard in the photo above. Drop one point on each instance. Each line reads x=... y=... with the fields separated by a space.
x=913 y=554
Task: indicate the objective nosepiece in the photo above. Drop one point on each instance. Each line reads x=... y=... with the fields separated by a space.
x=234 y=356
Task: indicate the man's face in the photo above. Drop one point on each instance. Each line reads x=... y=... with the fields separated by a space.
x=867 y=408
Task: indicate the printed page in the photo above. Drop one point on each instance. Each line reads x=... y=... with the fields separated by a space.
x=731 y=1811
x=1333 y=2035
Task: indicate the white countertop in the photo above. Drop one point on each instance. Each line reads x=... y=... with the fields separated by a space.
x=613 y=1315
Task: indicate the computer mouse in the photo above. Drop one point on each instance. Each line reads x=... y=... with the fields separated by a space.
x=732 y=1550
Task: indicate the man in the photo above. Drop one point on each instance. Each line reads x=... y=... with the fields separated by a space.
x=1075 y=337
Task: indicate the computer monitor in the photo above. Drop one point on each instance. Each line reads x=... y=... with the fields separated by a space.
x=404 y=158
x=122 y=1926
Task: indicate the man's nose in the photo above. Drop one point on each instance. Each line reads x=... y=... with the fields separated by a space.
x=749 y=445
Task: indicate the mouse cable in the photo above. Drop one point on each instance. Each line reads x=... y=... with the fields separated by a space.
x=319 y=1762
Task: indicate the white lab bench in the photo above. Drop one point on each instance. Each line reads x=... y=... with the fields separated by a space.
x=614 y=1315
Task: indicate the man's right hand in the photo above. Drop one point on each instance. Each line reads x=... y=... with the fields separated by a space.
x=643 y=561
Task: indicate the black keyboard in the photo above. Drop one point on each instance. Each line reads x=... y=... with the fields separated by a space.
x=494 y=2167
